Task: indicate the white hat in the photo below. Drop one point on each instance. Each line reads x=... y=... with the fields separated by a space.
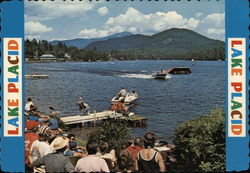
x=59 y=143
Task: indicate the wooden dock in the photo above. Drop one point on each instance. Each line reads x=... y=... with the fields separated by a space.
x=93 y=117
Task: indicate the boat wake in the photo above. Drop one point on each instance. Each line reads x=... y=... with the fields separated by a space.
x=168 y=76
x=140 y=76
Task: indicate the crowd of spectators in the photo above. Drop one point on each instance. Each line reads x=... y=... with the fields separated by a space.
x=48 y=149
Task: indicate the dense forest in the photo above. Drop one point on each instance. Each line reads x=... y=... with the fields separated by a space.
x=35 y=48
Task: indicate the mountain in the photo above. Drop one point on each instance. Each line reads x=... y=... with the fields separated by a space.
x=82 y=43
x=172 y=41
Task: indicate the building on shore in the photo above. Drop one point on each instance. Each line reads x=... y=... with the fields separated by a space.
x=48 y=58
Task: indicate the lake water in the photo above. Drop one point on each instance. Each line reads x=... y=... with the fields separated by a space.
x=166 y=103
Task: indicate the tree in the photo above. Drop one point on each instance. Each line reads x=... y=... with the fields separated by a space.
x=200 y=144
x=113 y=131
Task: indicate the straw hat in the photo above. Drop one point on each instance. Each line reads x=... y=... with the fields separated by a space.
x=59 y=143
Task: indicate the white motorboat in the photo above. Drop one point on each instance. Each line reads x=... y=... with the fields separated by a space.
x=36 y=76
x=129 y=99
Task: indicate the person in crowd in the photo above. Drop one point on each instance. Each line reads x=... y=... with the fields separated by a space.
x=105 y=153
x=125 y=162
x=148 y=159
x=91 y=163
x=56 y=162
x=83 y=107
x=53 y=123
x=30 y=137
x=41 y=147
x=28 y=104
x=74 y=150
x=122 y=94
x=33 y=116
x=136 y=147
x=71 y=137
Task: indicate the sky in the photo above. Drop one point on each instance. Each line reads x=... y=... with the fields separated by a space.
x=61 y=20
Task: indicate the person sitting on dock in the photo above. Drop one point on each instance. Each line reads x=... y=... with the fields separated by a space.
x=83 y=107
x=122 y=94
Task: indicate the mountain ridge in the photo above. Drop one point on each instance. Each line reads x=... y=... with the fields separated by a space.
x=83 y=42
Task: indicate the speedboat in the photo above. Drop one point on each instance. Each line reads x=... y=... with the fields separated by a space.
x=160 y=75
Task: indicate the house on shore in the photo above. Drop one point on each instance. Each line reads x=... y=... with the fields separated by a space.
x=48 y=58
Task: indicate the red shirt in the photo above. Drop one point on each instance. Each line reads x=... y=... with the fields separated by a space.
x=134 y=150
x=30 y=137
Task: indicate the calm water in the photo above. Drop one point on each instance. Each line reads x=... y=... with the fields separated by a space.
x=166 y=103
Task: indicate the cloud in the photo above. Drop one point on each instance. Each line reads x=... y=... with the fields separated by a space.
x=40 y=11
x=103 y=11
x=215 y=31
x=215 y=19
x=215 y=24
x=135 y=21
x=36 y=28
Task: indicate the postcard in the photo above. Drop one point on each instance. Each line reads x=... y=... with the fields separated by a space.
x=124 y=86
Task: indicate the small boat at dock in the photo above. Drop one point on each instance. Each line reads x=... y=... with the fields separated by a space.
x=36 y=76
x=129 y=99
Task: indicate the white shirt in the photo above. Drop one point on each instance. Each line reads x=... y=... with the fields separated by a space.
x=39 y=149
x=27 y=106
x=91 y=163
x=123 y=93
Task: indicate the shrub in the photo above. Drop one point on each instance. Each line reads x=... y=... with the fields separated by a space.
x=200 y=144
x=113 y=131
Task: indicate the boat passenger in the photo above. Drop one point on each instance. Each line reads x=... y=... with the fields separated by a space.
x=56 y=162
x=134 y=93
x=122 y=94
x=148 y=159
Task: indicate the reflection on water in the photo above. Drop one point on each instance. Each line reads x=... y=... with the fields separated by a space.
x=166 y=103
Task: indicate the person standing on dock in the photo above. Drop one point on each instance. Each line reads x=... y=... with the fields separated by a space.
x=83 y=107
